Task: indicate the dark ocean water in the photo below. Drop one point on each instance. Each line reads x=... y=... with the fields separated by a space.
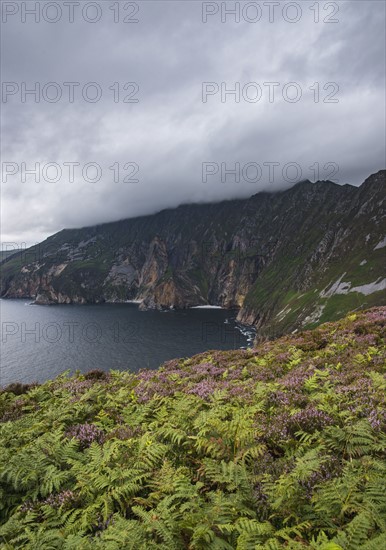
x=40 y=342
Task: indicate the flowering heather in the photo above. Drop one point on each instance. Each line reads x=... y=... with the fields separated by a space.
x=86 y=434
x=76 y=386
x=310 y=419
x=377 y=419
x=13 y=411
x=204 y=389
x=65 y=498
x=282 y=446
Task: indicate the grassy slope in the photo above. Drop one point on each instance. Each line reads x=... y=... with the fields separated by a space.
x=282 y=446
x=268 y=293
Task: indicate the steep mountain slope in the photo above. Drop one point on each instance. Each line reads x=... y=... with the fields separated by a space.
x=286 y=260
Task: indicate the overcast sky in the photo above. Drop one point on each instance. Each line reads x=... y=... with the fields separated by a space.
x=170 y=132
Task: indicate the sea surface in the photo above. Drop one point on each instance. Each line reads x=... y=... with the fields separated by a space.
x=40 y=342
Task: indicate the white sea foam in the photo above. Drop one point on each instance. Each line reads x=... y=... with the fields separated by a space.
x=206 y=307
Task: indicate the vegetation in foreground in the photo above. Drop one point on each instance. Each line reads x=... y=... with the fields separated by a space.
x=282 y=446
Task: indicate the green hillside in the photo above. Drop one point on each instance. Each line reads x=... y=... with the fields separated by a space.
x=282 y=446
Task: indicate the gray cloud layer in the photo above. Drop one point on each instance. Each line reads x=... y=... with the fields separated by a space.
x=170 y=52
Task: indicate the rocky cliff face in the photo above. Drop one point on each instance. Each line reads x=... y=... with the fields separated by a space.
x=284 y=260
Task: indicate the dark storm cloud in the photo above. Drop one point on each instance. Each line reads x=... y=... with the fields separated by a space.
x=171 y=132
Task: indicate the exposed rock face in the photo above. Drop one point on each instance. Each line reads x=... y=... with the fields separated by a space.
x=276 y=257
